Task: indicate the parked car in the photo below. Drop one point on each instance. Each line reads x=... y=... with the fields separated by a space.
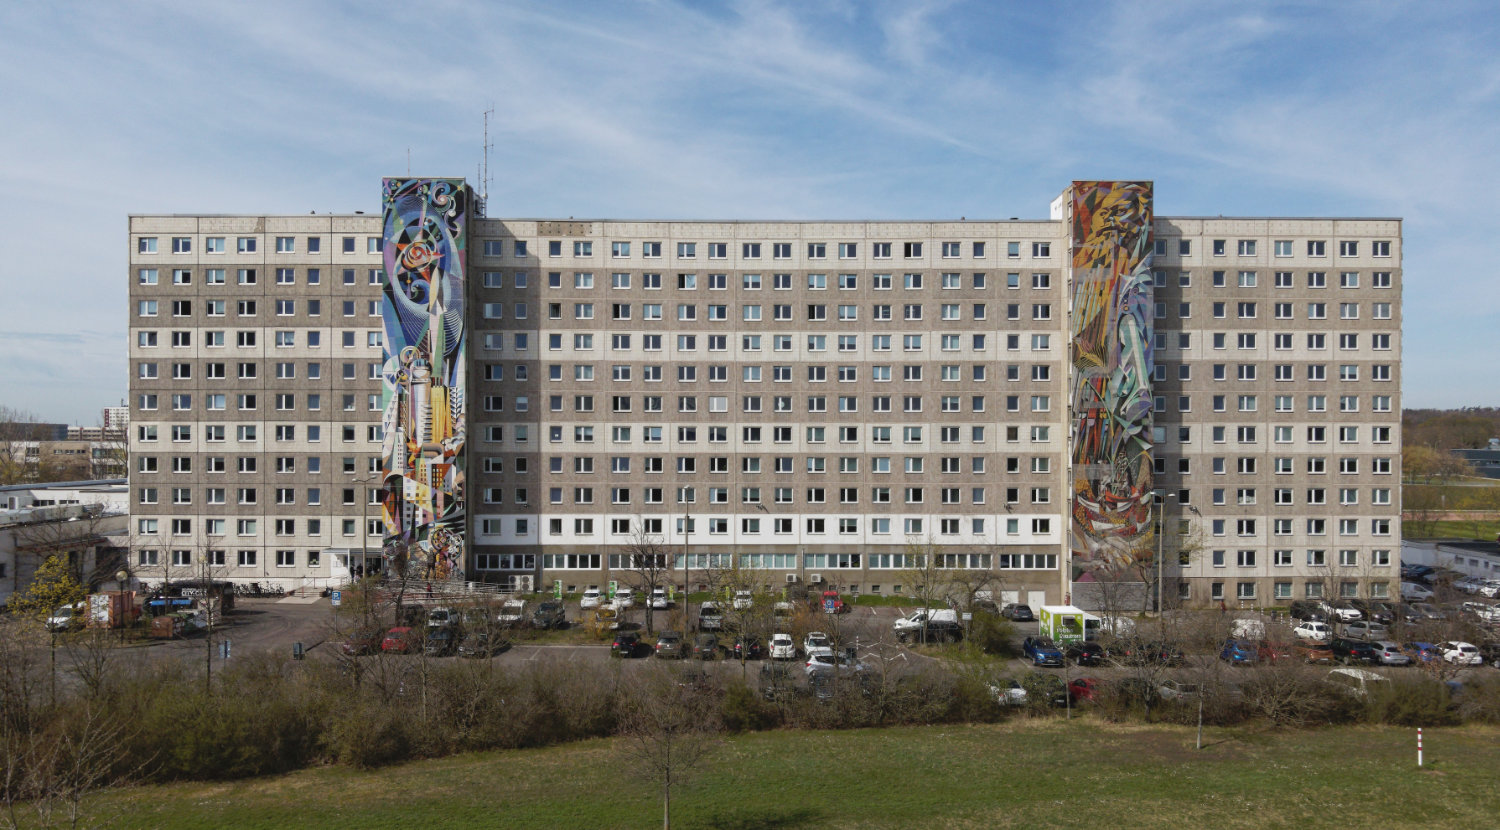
x=659 y=599
x=1354 y=651
x=1314 y=651
x=1415 y=571
x=1086 y=653
x=1415 y=592
x=1343 y=611
x=1239 y=652
x=710 y=617
x=363 y=641
x=65 y=617
x=777 y=681
x=1135 y=652
x=626 y=644
x=1017 y=612
x=1485 y=612
x=550 y=614
x=1469 y=584
x=706 y=646
x=1084 y=689
x=1421 y=652
x=816 y=641
x=1365 y=630
x=442 y=618
x=1270 y=651
x=1176 y=689
x=400 y=640
x=512 y=612
x=669 y=646
x=1047 y=688
x=1391 y=654
x=935 y=623
x=747 y=648
x=1009 y=692
x=441 y=641
x=1307 y=610
x=1042 y=651
x=782 y=647
x=841 y=663
x=1375 y=610
x=1461 y=653
x=781 y=610
x=592 y=598
x=481 y=644
x=624 y=598
x=1356 y=682
x=743 y=600
x=1429 y=611
x=1490 y=651
x=1313 y=630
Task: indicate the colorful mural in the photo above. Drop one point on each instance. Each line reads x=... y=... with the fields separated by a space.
x=424 y=383
x=1111 y=342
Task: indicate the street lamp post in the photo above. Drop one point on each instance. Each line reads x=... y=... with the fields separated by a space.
x=1161 y=526
x=687 y=576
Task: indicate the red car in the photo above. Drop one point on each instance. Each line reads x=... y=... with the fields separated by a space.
x=1269 y=652
x=399 y=640
x=364 y=641
x=1084 y=688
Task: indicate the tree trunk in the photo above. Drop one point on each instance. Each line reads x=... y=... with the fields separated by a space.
x=666 y=807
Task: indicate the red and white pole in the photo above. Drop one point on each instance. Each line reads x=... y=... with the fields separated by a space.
x=1419 y=746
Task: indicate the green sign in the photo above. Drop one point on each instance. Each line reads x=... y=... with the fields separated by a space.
x=557 y=588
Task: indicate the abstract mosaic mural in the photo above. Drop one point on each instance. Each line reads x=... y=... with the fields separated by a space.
x=424 y=383
x=1111 y=353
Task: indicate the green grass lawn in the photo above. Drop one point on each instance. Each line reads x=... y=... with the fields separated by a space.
x=1483 y=530
x=1042 y=773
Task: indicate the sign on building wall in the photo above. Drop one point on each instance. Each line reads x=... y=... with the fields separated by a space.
x=1111 y=352
x=423 y=377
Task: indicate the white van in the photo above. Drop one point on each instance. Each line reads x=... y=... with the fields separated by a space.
x=1415 y=592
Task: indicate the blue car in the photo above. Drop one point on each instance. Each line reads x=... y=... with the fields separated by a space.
x=1422 y=652
x=1239 y=652
x=1042 y=651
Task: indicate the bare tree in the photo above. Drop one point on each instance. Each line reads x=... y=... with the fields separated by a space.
x=923 y=578
x=649 y=565
x=668 y=731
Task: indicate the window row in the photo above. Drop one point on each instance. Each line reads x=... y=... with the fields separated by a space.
x=251 y=276
x=251 y=244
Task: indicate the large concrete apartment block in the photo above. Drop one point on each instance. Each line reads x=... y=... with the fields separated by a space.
x=812 y=402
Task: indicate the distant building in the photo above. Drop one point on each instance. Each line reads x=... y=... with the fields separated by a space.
x=83 y=522
x=1486 y=462
x=115 y=421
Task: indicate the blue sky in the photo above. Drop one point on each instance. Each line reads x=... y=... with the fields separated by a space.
x=738 y=110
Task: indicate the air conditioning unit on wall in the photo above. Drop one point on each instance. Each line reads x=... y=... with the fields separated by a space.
x=524 y=584
x=815 y=578
x=791 y=577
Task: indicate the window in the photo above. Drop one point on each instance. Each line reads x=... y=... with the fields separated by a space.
x=1348 y=248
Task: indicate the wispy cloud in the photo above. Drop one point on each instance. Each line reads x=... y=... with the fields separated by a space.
x=740 y=109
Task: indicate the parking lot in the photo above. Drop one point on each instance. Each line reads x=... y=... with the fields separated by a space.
x=277 y=624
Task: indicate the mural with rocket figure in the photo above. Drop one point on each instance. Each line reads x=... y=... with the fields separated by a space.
x=424 y=383
x=1111 y=352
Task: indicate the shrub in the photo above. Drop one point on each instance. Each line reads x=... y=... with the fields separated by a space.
x=744 y=710
x=1411 y=701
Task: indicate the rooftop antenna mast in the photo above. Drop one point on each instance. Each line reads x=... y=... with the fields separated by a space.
x=484 y=173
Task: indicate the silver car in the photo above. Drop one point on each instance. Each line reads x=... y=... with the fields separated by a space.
x=1390 y=654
